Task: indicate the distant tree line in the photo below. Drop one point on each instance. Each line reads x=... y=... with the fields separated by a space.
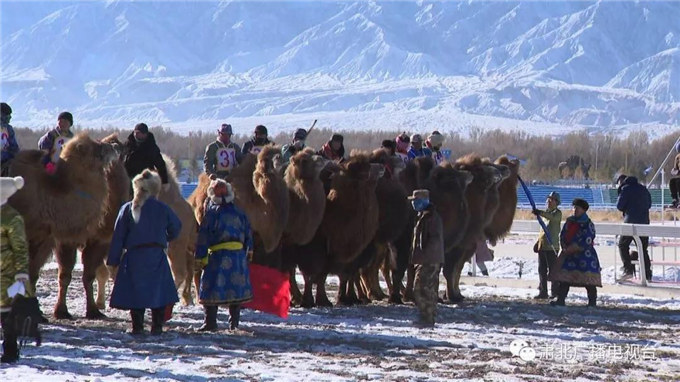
x=608 y=154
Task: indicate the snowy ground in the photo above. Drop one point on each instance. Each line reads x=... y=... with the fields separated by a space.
x=628 y=337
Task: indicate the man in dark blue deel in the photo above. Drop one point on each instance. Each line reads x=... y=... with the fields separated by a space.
x=634 y=201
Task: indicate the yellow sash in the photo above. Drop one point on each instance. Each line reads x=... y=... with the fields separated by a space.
x=228 y=245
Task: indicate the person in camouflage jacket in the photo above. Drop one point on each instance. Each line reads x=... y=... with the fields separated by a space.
x=13 y=267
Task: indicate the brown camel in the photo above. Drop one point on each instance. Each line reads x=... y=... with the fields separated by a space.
x=262 y=193
x=307 y=196
x=502 y=220
x=393 y=216
x=66 y=207
x=307 y=204
x=181 y=250
x=482 y=200
x=349 y=224
x=96 y=248
x=198 y=196
x=447 y=187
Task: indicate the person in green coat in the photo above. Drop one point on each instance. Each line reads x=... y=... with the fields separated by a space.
x=547 y=253
x=13 y=268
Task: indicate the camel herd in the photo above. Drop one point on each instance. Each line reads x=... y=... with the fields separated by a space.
x=350 y=219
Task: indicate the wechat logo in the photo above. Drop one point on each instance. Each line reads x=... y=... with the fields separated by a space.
x=521 y=349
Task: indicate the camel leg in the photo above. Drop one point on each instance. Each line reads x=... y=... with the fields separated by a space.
x=363 y=290
x=295 y=294
x=385 y=269
x=102 y=279
x=93 y=257
x=39 y=252
x=410 y=277
x=66 y=257
x=307 y=300
x=176 y=256
x=321 y=295
x=187 y=295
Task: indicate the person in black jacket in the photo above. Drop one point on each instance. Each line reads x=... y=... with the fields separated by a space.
x=142 y=152
x=634 y=201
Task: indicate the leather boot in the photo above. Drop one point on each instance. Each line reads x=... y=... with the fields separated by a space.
x=234 y=316
x=592 y=296
x=562 y=295
x=210 y=322
x=137 y=316
x=157 y=319
x=10 y=348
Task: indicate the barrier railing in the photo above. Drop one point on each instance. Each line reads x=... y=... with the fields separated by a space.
x=619 y=229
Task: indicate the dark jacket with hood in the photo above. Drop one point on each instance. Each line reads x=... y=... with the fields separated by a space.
x=634 y=201
x=142 y=155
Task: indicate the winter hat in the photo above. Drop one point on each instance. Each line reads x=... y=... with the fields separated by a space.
x=389 y=144
x=337 y=138
x=580 y=203
x=402 y=142
x=147 y=182
x=416 y=138
x=225 y=129
x=300 y=135
x=67 y=116
x=8 y=186
x=420 y=194
x=5 y=109
x=219 y=188
x=261 y=129
x=436 y=139
x=621 y=179
x=142 y=128
x=556 y=197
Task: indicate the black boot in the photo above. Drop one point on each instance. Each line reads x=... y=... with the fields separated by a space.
x=157 y=319
x=592 y=296
x=561 y=296
x=10 y=348
x=210 y=322
x=234 y=316
x=137 y=316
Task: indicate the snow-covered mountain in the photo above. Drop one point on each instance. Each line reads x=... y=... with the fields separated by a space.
x=547 y=67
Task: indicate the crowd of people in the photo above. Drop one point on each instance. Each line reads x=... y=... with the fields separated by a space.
x=145 y=225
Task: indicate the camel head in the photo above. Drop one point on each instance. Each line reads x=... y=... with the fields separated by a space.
x=114 y=141
x=358 y=167
x=393 y=164
x=512 y=164
x=84 y=151
x=268 y=158
x=306 y=165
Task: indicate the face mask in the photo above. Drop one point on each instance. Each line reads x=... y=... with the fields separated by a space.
x=299 y=144
x=420 y=204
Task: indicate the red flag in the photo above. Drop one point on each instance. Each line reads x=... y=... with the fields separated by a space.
x=271 y=290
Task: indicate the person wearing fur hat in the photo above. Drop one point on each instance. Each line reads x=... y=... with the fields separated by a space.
x=142 y=152
x=390 y=146
x=434 y=142
x=143 y=228
x=333 y=149
x=9 y=144
x=427 y=256
x=13 y=267
x=417 y=149
x=259 y=140
x=54 y=140
x=402 y=142
x=224 y=244
x=288 y=150
x=222 y=155
x=577 y=264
